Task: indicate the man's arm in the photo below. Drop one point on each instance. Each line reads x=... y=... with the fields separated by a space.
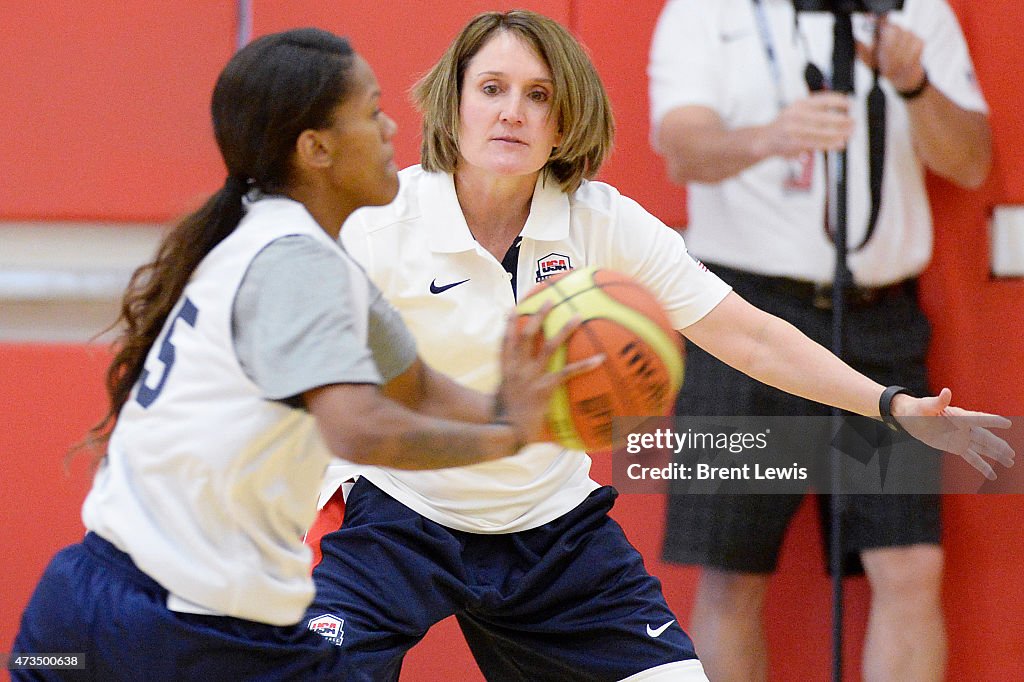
x=698 y=147
x=953 y=142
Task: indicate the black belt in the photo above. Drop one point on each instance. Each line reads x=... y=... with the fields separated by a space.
x=820 y=295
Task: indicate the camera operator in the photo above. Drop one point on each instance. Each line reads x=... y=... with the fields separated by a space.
x=736 y=121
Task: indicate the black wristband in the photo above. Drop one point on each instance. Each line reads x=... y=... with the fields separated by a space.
x=885 y=406
x=916 y=92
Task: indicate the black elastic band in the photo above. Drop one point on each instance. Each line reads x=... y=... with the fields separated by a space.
x=916 y=92
x=885 y=406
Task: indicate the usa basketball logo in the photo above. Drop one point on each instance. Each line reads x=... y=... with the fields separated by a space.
x=551 y=265
x=329 y=627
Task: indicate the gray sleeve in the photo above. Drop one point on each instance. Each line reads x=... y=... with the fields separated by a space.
x=391 y=342
x=295 y=328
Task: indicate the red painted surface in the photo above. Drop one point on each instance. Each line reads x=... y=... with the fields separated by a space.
x=106 y=108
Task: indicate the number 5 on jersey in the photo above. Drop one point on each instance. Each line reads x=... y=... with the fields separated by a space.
x=146 y=395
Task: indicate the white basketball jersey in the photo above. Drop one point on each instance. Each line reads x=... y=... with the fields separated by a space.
x=206 y=485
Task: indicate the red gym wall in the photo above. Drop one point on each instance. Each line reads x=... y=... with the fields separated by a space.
x=110 y=123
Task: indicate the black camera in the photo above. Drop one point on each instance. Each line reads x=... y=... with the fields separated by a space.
x=848 y=6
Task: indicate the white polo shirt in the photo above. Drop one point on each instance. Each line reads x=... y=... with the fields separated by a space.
x=455 y=297
x=712 y=54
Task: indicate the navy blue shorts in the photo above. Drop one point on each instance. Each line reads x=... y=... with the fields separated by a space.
x=570 y=600
x=93 y=600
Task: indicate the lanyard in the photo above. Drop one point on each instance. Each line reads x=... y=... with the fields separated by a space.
x=765 y=31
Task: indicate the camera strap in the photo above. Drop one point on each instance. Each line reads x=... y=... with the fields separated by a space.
x=876 y=112
x=876 y=144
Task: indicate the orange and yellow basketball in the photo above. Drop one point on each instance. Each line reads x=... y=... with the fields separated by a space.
x=643 y=368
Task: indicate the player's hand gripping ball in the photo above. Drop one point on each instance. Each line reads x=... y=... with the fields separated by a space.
x=643 y=368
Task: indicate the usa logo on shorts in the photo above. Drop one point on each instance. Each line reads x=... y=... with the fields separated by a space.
x=551 y=265
x=329 y=627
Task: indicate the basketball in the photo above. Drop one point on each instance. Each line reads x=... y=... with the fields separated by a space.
x=643 y=367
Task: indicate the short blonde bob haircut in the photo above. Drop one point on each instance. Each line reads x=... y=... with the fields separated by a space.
x=579 y=100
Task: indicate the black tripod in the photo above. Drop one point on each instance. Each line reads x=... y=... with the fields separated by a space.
x=843 y=55
x=843 y=58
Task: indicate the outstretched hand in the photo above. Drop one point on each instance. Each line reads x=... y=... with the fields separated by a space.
x=936 y=423
x=526 y=384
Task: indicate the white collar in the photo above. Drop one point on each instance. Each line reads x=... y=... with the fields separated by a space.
x=449 y=233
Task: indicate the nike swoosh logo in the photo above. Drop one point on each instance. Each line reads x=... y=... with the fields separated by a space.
x=657 y=633
x=434 y=289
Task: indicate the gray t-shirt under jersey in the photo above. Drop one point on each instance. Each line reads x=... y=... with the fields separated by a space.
x=294 y=327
